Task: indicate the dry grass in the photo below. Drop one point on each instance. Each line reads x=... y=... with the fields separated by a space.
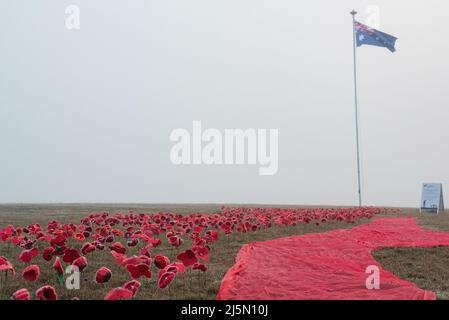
x=425 y=267
x=422 y=266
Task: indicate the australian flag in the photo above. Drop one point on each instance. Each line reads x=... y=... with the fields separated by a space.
x=373 y=37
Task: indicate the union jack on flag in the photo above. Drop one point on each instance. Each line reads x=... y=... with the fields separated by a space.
x=370 y=36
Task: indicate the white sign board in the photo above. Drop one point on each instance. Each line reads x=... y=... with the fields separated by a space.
x=432 y=197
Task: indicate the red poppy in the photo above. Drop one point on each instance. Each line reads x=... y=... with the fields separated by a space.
x=70 y=255
x=161 y=261
x=6 y=265
x=118 y=294
x=132 y=242
x=132 y=286
x=48 y=253
x=81 y=263
x=175 y=241
x=59 y=232
x=202 y=253
x=141 y=236
x=156 y=242
x=198 y=229
x=28 y=255
x=58 y=267
x=117 y=232
x=31 y=273
x=139 y=270
x=145 y=259
x=165 y=279
x=21 y=294
x=187 y=257
x=199 y=266
x=179 y=266
x=103 y=275
x=46 y=293
x=145 y=251
x=58 y=241
x=79 y=236
x=214 y=234
x=15 y=241
x=174 y=267
x=137 y=260
x=118 y=257
x=87 y=248
x=118 y=247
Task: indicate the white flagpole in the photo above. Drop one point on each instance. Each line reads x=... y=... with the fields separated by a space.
x=353 y=13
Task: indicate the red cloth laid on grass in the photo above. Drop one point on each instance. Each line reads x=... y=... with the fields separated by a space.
x=327 y=265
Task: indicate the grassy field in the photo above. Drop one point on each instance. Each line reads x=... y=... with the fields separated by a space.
x=425 y=267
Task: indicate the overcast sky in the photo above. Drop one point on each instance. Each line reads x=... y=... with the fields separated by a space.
x=85 y=116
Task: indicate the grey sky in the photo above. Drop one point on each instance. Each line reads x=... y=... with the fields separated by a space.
x=85 y=116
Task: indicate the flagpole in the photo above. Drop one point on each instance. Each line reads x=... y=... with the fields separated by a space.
x=353 y=13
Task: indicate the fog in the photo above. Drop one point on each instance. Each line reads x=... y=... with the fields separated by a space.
x=86 y=115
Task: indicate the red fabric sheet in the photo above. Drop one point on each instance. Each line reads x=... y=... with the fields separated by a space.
x=328 y=265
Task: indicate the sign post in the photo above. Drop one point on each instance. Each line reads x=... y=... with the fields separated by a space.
x=432 y=197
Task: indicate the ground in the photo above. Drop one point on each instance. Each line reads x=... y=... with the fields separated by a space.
x=427 y=268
